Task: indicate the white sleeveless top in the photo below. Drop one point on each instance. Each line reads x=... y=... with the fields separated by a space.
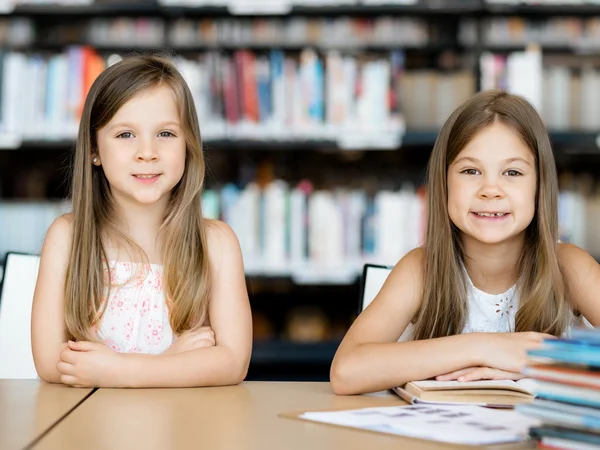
x=135 y=319
x=493 y=313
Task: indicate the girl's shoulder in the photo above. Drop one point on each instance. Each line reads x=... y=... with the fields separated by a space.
x=572 y=258
x=222 y=242
x=415 y=259
x=410 y=268
x=57 y=243
x=64 y=221
x=218 y=232
x=581 y=275
x=60 y=231
x=575 y=263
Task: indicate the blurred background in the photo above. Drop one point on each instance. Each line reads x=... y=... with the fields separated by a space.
x=317 y=116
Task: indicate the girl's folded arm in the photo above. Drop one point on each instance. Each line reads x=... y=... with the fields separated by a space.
x=230 y=317
x=47 y=314
x=370 y=358
x=582 y=278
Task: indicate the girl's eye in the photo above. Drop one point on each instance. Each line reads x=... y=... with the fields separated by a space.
x=125 y=135
x=513 y=173
x=166 y=134
x=470 y=171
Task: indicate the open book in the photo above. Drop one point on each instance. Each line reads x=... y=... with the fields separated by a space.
x=491 y=393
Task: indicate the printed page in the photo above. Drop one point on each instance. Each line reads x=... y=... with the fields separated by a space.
x=467 y=425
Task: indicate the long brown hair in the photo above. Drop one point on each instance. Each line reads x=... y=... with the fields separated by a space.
x=543 y=306
x=184 y=251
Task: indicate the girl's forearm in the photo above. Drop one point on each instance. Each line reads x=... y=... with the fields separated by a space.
x=210 y=366
x=46 y=368
x=379 y=366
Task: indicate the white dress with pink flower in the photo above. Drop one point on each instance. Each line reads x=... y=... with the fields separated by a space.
x=135 y=319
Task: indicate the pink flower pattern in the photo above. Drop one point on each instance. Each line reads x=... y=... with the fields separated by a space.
x=136 y=314
x=128 y=330
x=154 y=332
x=119 y=304
x=112 y=345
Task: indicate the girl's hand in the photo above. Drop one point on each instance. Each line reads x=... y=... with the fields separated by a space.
x=191 y=340
x=89 y=364
x=508 y=351
x=479 y=373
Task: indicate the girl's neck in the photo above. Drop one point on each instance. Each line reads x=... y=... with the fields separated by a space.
x=493 y=268
x=142 y=224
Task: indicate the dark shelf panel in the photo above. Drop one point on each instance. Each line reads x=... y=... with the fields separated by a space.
x=155 y=9
x=564 y=142
x=426 y=8
x=546 y=48
x=544 y=10
x=419 y=138
x=210 y=145
x=561 y=138
x=286 y=352
x=349 y=48
x=271 y=145
x=59 y=144
x=430 y=49
x=585 y=140
x=459 y=7
x=95 y=9
x=221 y=144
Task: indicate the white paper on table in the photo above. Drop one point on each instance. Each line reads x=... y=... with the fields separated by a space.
x=458 y=424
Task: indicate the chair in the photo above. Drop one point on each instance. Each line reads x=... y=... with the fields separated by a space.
x=372 y=280
x=16 y=298
x=371 y=283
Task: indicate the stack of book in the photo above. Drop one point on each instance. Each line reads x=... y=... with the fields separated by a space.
x=567 y=392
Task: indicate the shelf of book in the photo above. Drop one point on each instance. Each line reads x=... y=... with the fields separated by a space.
x=368 y=8
x=429 y=48
x=550 y=9
x=574 y=48
x=131 y=8
x=151 y=8
x=563 y=141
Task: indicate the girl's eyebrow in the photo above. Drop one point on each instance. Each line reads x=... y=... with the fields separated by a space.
x=518 y=158
x=121 y=125
x=506 y=161
x=466 y=158
x=169 y=123
x=130 y=125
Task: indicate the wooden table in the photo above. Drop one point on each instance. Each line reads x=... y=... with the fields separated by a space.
x=243 y=417
x=29 y=408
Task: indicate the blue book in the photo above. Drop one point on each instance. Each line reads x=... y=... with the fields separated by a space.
x=564 y=433
x=589 y=356
x=580 y=417
x=588 y=335
x=572 y=344
x=572 y=395
x=316 y=110
x=263 y=81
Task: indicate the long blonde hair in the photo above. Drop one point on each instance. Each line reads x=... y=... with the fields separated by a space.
x=541 y=288
x=186 y=276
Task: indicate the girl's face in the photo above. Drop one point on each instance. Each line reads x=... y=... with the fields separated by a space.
x=142 y=149
x=492 y=186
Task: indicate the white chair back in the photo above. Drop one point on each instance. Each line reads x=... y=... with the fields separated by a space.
x=372 y=280
x=371 y=283
x=16 y=298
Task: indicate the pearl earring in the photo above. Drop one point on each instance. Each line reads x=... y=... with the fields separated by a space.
x=95 y=160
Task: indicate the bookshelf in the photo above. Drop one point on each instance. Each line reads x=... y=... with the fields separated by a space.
x=303 y=307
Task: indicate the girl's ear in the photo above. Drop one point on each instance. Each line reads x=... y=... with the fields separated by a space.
x=96 y=160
